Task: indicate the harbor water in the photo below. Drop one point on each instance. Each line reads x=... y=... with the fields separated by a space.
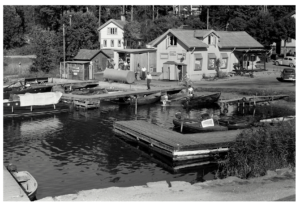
x=75 y=151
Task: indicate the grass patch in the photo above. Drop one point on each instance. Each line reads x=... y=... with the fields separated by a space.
x=16 y=66
x=259 y=149
x=251 y=92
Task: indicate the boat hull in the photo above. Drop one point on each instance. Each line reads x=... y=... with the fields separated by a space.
x=192 y=126
x=235 y=125
x=8 y=111
x=198 y=101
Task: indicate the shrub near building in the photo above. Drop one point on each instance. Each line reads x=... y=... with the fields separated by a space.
x=259 y=149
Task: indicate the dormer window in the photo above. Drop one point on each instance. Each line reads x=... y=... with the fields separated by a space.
x=212 y=40
x=172 y=41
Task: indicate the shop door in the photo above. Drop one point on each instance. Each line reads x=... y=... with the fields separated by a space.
x=173 y=72
x=166 y=72
x=90 y=72
x=183 y=71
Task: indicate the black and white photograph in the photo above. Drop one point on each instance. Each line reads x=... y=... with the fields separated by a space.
x=122 y=101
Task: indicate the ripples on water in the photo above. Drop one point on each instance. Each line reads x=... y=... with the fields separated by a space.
x=75 y=151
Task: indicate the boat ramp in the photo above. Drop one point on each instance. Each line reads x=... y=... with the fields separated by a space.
x=177 y=146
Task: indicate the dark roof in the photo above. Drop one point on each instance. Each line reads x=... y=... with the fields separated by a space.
x=185 y=36
x=144 y=50
x=108 y=52
x=237 y=39
x=86 y=54
x=228 y=39
x=118 y=23
x=78 y=62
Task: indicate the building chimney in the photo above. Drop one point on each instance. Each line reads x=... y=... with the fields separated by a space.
x=123 y=17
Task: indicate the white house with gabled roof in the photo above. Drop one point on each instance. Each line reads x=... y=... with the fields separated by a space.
x=194 y=52
x=111 y=34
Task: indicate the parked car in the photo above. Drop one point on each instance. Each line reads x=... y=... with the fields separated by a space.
x=288 y=74
x=288 y=61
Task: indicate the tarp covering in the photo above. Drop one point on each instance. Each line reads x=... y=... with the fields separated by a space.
x=31 y=99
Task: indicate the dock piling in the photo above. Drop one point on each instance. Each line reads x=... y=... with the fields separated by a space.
x=136 y=105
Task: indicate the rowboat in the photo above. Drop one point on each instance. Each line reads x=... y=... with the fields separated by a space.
x=26 y=181
x=202 y=100
x=235 y=124
x=146 y=100
x=195 y=126
x=278 y=119
x=252 y=99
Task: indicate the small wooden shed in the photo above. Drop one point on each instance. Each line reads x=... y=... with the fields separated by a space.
x=79 y=70
x=98 y=58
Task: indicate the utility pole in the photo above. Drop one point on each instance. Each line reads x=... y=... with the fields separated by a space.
x=99 y=26
x=207 y=18
x=131 y=12
x=64 y=49
x=153 y=13
x=70 y=20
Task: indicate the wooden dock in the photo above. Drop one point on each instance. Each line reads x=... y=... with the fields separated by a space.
x=107 y=96
x=177 y=146
x=11 y=189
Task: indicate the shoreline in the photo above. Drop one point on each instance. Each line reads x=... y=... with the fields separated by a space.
x=277 y=185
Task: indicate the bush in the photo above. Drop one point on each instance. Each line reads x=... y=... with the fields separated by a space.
x=259 y=149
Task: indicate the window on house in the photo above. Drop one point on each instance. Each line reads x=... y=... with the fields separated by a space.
x=104 y=43
x=198 y=62
x=112 y=43
x=173 y=41
x=224 y=60
x=119 y=43
x=211 y=61
x=209 y=40
x=212 y=40
x=112 y=31
x=164 y=55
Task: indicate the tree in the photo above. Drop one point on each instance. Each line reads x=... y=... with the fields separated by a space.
x=194 y=22
x=262 y=28
x=285 y=29
x=12 y=28
x=45 y=48
x=132 y=33
x=237 y=24
x=81 y=34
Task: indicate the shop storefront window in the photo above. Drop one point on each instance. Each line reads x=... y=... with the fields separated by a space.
x=211 y=63
x=198 y=64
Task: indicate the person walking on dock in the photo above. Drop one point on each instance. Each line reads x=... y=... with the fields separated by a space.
x=149 y=78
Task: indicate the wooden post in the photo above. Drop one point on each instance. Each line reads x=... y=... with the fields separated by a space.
x=31 y=108
x=181 y=127
x=136 y=105
x=99 y=103
x=12 y=109
x=254 y=112
x=64 y=49
x=54 y=106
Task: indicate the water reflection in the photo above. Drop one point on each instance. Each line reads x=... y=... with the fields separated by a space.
x=75 y=151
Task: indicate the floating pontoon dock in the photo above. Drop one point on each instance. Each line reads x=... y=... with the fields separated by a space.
x=177 y=146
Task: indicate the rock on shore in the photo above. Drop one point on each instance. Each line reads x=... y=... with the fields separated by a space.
x=279 y=185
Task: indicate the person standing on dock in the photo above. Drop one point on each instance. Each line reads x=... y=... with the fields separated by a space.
x=143 y=73
x=149 y=78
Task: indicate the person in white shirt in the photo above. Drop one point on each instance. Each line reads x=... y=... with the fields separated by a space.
x=149 y=78
x=190 y=91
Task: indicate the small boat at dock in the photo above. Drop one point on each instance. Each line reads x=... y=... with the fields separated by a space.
x=26 y=181
x=34 y=104
x=22 y=88
x=196 y=126
x=235 y=124
x=202 y=100
x=146 y=100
